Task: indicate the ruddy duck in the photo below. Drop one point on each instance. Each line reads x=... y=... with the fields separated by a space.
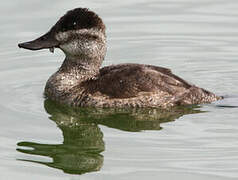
x=80 y=34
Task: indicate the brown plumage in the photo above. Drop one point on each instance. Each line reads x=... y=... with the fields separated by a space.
x=80 y=81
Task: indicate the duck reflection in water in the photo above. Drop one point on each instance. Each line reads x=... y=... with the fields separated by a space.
x=83 y=140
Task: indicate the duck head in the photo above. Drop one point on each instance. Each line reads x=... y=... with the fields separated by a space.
x=80 y=34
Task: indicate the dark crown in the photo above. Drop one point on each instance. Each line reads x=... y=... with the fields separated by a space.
x=79 y=18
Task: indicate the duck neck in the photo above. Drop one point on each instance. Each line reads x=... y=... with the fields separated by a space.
x=71 y=73
x=80 y=69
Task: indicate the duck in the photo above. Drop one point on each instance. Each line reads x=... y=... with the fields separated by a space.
x=80 y=82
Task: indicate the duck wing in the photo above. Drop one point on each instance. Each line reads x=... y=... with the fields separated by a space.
x=129 y=80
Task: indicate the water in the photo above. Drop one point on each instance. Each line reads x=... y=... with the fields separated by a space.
x=197 y=39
